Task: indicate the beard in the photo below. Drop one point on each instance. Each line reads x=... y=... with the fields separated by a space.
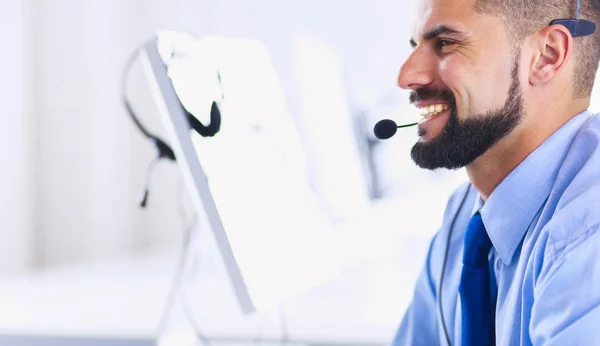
x=462 y=141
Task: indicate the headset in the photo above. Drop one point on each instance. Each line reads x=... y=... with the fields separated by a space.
x=164 y=151
x=386 y=128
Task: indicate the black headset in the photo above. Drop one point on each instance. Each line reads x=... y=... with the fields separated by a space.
x=164 y=151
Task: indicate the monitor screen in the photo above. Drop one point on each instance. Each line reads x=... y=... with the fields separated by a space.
x=250 y=180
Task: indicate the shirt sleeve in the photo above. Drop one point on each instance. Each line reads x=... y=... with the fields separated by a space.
x=566 y=308
x=419 y=325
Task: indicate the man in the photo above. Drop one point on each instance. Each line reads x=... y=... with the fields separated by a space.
x=505 y=94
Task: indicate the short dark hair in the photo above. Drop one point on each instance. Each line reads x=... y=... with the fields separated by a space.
x=524 y=17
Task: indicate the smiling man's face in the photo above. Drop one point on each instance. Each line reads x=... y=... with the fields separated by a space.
x=464 y=77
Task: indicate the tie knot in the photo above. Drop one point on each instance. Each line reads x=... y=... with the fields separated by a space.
x=477 y=243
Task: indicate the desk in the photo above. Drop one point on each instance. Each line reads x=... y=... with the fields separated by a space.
x=20 y=340
x=29 y=340
x=124 y=299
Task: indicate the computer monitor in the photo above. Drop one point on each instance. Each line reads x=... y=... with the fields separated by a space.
x=250 y=180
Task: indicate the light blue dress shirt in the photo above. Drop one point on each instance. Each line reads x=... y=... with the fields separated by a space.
x=543 y=220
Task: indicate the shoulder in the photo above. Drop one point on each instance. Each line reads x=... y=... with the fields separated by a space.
x=580 y=166
x=576 y=218
x=577 y=189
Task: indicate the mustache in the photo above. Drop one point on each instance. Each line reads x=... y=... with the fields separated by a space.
x=428 y=93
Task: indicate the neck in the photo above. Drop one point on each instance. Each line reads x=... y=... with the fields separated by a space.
x=488 y=171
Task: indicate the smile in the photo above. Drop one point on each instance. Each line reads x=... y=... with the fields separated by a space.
x=431 y=110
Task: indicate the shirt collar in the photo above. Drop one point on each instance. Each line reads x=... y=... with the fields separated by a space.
x=514 y=203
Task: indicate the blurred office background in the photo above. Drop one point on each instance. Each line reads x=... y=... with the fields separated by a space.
x=74 y=165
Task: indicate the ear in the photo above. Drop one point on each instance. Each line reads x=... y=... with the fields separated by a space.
x=553 y=47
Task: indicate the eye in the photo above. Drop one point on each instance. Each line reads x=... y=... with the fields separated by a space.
x=441 y=43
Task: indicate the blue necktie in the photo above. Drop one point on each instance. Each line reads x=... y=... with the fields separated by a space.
x=474 y=289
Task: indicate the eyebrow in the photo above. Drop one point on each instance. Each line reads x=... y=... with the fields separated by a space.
x=436 y=31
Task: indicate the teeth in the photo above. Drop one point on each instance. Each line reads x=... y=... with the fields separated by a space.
x=431 y=110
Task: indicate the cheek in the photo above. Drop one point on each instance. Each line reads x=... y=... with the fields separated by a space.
x=458 y=78
x=451 y=69
x=495 y=86
x=477 y=88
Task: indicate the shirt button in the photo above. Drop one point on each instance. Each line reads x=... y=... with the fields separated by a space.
x=498 y=264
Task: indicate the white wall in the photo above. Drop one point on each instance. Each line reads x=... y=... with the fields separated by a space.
x=90 y=162
x=16 y=140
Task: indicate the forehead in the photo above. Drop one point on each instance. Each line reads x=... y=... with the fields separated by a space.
x=458 y=14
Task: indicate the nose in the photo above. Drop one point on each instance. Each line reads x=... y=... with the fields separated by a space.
x=416 y=72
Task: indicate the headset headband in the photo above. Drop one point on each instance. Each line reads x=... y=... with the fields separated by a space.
x=578 y=27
